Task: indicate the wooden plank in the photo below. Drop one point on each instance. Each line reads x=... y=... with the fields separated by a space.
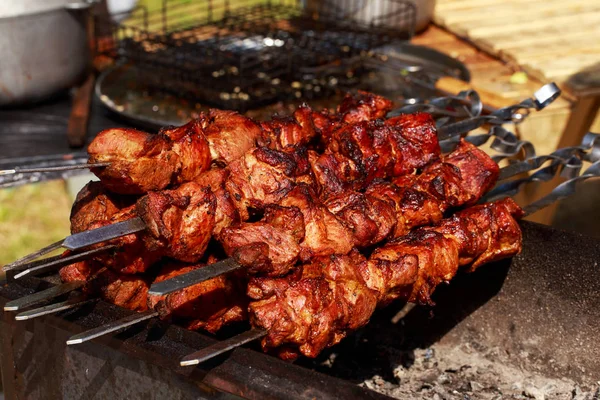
x=587 y=45
x=530 y=24
x=504 y=11
x=445 y=6
x=544 y=38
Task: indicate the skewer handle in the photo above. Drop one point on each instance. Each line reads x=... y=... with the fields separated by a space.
x=193 y=277
x=222 y=347
x=53 y=308
x=44 y=295
x=112 y=327
x=52 y=169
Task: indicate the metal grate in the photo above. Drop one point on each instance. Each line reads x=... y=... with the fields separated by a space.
x=247 y=53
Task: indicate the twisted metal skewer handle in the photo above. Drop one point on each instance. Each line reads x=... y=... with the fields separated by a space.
x=567 y=162
x=511 y=114
x=563 y=190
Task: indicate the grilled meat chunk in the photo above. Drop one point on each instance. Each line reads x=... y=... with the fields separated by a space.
x=226 y=214
x=264 y=176
x=94 y=203
x=208 y=305
x=336 y=295
x=261 y=247
x=229 y=135
x=140 y=162
x=128 y=291
x=363 y=106
x=359 y=153
x=180 y=222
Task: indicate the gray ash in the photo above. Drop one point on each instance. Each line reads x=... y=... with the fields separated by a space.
x=463 y=372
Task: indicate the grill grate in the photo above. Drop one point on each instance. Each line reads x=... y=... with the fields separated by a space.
x=243 y=54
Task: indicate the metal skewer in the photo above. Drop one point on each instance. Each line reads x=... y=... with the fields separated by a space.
x=52 y=169
x=52 y=263
x=112 y=327
x=222 y=347
x=196 y=276
x=84 y=239
x=44 y=295
x=563 y=190
x=54 y=308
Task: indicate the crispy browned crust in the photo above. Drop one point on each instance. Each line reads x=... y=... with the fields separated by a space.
x=354 y=219
x=140 y=162
x=180 y=222
x=305 y=313
x=208 y=305
x=128 y=291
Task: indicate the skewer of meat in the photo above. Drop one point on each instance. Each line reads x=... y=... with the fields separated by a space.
x=141 y=162
x=133 y=162
x=300 y=227
x=318 y=304
x=208 y=306
x=182 y=221
x=262 y=176
x=336 y=295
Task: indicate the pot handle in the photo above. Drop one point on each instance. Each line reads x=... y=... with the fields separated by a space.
x=81 y=5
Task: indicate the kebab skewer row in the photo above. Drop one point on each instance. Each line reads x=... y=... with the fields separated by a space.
x=336 y=295
x=317 y=306
x=97 y=202
x=559 y=192
x=327 y=230
x=472 y=164
x=129 y=161
x=265 y=176
x=212 y=304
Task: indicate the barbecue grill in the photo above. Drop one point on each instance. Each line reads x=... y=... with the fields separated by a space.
x=244 y=54
x=537 y=310
x=472 y=321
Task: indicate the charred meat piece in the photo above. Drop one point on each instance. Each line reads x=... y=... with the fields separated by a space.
x=297 y=129
x=229 y=135
x=128 y=291
x=353 y=219
x=94 y=203
x=363 y=106
x=336 y=295
x=180 y=222
x=140 y=162
x=359 y=153
x=209 y=305
x=132 y=255
x=264 y=176
x=226 y=213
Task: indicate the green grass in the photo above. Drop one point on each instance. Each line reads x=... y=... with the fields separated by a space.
x=32 y=217
x=184 y=13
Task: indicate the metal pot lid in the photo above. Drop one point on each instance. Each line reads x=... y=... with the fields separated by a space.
x=20 y=8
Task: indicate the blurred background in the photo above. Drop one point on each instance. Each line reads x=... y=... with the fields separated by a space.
x=151 y=63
